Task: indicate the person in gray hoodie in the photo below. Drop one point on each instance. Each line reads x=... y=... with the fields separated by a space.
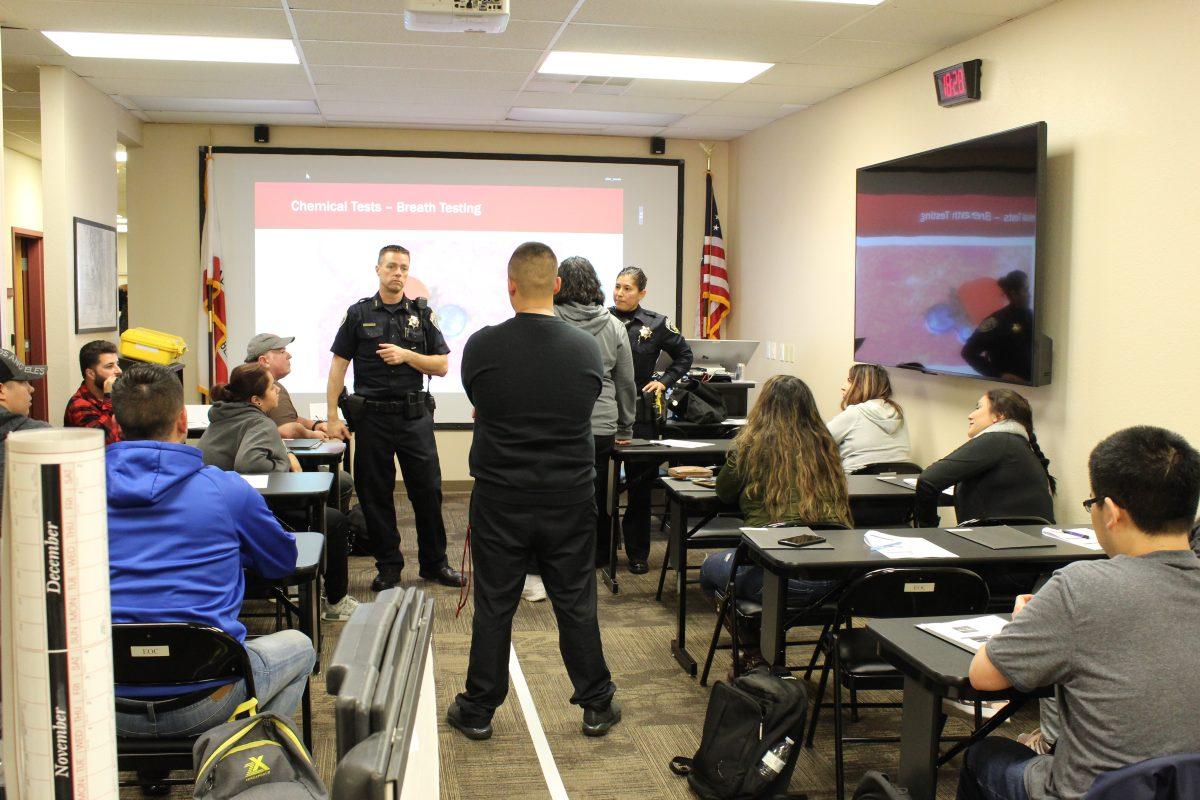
x=580 y=302
x=16 y=400
x=870 y=428
x=241 y=437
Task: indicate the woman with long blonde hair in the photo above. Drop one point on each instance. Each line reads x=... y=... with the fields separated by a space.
x=783 y=467
x=870 y=428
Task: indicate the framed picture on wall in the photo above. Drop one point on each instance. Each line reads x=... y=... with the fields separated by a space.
x=95 y=277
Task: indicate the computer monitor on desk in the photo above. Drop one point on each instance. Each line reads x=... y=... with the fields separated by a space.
x=716 y=354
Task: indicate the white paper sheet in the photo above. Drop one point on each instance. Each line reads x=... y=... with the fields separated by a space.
x=257 y=481
x=683 y=443
x=969 y=634
x=1083 y=537
x=904 y=546
x=735 y=421
x=197 y=415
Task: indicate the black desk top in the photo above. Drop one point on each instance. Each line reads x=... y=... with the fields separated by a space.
x=296 y=484
x=323 y=450
x=861 y=487
x=850 y=552
x=938 y=665
x=712 y=447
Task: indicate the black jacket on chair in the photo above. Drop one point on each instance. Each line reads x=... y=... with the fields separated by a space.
x=996 y=475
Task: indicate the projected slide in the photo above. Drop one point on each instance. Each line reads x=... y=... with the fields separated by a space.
x=460 y=237
x=945 y=281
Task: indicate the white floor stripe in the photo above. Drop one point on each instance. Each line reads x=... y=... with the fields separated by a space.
x=534 y=723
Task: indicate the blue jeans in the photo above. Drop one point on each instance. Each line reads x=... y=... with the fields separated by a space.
x=280 y=662
x=714 y=574
x=994 y=769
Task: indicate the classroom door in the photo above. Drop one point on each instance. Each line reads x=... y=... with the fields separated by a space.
x=28 y=339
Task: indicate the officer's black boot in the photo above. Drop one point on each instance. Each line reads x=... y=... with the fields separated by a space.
x=386 y=579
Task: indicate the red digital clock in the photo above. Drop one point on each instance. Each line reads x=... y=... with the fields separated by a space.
x=958 y=84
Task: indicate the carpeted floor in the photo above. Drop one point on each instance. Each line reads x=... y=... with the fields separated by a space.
x=663 y=708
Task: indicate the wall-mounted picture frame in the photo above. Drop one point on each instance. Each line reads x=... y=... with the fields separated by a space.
x=95 y=277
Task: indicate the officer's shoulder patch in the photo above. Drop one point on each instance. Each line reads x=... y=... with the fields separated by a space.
x=988 y=325
x=433 y=319
x=671 y=326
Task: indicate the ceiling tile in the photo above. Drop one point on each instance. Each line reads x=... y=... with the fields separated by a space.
x=942 y=28
x=26 y=80
x=25 y=128
x=224 y=105
x=759 y=16
x=331 y=26
x=734 y=108
x=22 y=114
x=608 y=102
x=633 y=130
x=405 y=94
x=721 y=44
x=22 y=144
x=762 y=93
x=21 y=99
x=821 y=75
x=1009 y=9
x=701 y=134
x=404 y=111
x=718 y=122
x=859 y=53
x=646 y=87
x=65 y=15
x=346 y=54
x=233 y=118
x=423 y=78
x=17 y=42
x=157 y=87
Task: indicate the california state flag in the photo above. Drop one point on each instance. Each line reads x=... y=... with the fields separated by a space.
x=213 y=366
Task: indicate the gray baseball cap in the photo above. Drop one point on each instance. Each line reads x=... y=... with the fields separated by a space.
x=264 y=342
x=11 y=368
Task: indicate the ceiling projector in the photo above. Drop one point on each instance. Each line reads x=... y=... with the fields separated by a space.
x=456 y=16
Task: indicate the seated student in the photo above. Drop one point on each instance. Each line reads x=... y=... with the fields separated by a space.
x=271 y=351
x=91 y=405
x=999 y=472
x=179 y=534
x=241 y=438
x=16 y=399
x=870 y=429
x=783 y=466
x=1117 y=638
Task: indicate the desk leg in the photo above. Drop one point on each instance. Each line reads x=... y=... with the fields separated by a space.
x=313 y=595
x=774 y=606
x=919 y=741
x=679 y=553
x=610 y=577
x=306 y=715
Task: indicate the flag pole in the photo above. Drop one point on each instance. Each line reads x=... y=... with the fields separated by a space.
x=703 y=310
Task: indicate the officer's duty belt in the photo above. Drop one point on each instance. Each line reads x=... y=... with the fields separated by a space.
x=395 y=406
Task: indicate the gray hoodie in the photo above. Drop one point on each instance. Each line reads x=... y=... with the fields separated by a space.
x=869 y=433
x=241 y=438
x=10 y=422
x=615 y=408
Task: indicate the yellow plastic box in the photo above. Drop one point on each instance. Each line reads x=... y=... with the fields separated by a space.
x=144 y=344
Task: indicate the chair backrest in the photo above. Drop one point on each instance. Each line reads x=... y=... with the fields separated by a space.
x=177 y=654
x=914 y=592
x=898 y=467
x=1014 y=520
x=1164 y=778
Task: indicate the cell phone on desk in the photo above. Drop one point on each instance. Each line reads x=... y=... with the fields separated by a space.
x=802 y=540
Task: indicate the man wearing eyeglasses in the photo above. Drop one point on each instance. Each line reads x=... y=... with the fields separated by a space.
x=1116 y=638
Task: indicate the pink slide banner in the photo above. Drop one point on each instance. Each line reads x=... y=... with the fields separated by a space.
x=356 y=206
x=945 y=215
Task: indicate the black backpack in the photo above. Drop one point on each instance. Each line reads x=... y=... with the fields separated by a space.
x=744 y=720
x=693 y=401
x=876 y=786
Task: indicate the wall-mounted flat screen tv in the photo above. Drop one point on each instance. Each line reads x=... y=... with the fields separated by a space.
x=947 y=274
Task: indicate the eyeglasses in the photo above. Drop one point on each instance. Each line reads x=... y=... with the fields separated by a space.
x=1091 y=501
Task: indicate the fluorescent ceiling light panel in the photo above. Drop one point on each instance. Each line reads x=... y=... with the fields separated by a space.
x=663 y=68
x=584 y=117
x=154 y=47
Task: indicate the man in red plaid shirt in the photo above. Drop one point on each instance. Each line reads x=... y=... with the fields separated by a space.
x=91 y=405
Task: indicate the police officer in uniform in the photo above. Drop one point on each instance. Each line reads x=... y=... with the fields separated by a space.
x=649 y=334
x=1002 y=345
x=394 y=344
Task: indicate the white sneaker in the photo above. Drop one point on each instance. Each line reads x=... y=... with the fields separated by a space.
x=535 y=590
x=339 y=611
x=967 y=710
x=1035 y=741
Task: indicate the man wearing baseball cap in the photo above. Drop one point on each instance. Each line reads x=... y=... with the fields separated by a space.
x=16 y=398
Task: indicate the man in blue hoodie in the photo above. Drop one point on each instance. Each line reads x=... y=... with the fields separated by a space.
x=179 y=535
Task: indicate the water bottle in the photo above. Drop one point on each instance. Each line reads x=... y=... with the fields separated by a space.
x=775 y=759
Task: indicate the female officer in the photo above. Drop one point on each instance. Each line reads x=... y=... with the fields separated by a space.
x=649 y=334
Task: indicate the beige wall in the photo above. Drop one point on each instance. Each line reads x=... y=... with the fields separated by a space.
x=80 y=130
x=163 y=211
x=22 y=209
x=1120 y=253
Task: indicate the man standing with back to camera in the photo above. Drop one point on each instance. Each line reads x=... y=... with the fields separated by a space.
x=394 y=344
x=533 y=381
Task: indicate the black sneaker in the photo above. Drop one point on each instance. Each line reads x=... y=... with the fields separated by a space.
x=471 y=730
x=597 y=722
x=386 y=579
x=638 y=567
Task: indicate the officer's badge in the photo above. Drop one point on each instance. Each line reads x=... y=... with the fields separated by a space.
x=671 y=327
x=988 y=325
x=644 y=333
x=414 y=321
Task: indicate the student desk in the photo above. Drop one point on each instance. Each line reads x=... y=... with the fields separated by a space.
x=933 y=669
x=850 y=556
x=328 y=453
x=712 y=451
x=685 y=501
x=306 y=578
x=307 y=490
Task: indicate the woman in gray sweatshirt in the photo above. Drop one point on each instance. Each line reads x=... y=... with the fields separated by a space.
x=580 y=302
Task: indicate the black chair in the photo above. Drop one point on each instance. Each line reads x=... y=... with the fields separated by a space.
x=1164 y=778
x=885 y=467
x=737 y=612
x=851 y=653
x=170 y=654
x=713 y=532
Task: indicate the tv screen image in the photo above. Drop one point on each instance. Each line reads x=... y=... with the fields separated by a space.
x=946 y=271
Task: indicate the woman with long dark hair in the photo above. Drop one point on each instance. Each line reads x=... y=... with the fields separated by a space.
x=241 y=438
x=1000 y=472
x=870 y=428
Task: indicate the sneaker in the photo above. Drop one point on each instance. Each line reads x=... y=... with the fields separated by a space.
x=598 y=722
x=1036 y=741
x=339 y=611
x=535 y=590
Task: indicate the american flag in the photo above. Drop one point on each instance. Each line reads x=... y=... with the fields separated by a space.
x=714 y=279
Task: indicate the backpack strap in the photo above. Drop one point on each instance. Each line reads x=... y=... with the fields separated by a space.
x=247 y=709
x=681 y=766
